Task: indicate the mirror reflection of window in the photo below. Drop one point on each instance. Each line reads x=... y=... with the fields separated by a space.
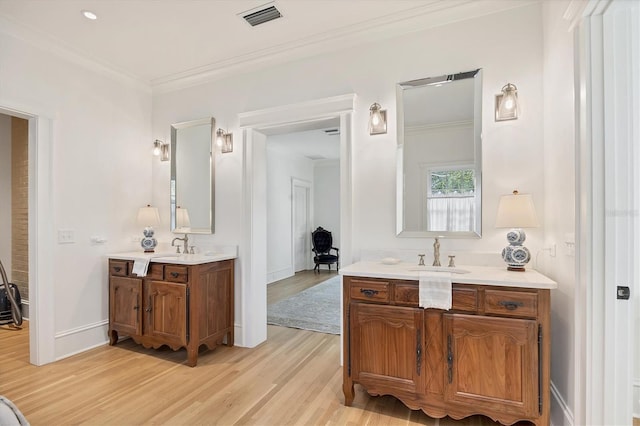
x=450 y=203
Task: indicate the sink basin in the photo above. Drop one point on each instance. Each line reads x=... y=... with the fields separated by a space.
x=439 y=269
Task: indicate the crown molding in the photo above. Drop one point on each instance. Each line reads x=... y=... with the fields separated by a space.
x=57 y=48
x=432 y=14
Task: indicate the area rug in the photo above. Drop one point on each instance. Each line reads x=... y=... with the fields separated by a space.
x=316 y=308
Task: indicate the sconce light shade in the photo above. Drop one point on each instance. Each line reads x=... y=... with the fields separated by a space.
x=148 y=217
x=161 y=150
x=377 y=120
x=183 y=224
x=516 y=211
x=224 y=141
x=507 y=103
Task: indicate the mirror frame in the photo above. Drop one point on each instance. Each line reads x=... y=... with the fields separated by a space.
x=212 y=173
x=477 y=135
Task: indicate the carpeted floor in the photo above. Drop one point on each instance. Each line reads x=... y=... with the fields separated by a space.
x=316 y=308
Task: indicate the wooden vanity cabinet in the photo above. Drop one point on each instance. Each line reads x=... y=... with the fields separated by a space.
x=488 y=355
x=175 y=305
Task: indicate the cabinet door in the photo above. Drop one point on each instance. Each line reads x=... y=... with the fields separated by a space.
x=166 y=309
x=386 y=345
x=492 y=364
x=125 y=310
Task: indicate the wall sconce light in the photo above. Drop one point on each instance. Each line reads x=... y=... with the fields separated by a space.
x=507 y=103
x=224 y=141
x=377 y=120
x=161 y=150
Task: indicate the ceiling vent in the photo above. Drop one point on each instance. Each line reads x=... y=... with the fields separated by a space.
x=265 y=13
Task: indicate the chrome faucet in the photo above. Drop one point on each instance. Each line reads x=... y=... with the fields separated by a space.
x=186 y=244
x=436 y=253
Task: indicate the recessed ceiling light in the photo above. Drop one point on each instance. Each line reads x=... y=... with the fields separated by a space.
x=89 y=15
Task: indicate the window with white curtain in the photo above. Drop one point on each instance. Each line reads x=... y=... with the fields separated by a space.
x=449 y=198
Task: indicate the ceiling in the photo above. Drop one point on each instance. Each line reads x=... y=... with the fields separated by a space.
x=169 y=43
x=163 y=41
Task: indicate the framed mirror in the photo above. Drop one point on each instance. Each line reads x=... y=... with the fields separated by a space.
x=439 y=156
x=192 y=187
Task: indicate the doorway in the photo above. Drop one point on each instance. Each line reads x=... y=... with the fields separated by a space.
x=14 y=217
x=253 y=299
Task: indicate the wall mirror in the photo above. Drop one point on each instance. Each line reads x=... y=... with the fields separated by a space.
x=439 y=156
x=192 y=187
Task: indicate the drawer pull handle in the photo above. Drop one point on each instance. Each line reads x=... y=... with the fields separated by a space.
x=174 y=274
x=117 y=268
x=510 y=305
x=368 y=292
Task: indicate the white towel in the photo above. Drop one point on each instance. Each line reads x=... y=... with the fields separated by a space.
x=140 y=267
x=435 y=290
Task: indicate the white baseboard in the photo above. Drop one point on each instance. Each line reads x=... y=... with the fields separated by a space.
x=561 y=414
x=25 y=308
x=636 y=397
x=280 y=274
x=76 y=340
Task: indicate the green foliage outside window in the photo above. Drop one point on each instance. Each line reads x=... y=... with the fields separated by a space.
x=453 y=182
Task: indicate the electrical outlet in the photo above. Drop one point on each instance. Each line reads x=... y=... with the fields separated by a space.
x=66 y=236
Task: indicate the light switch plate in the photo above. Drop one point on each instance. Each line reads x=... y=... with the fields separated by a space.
x=66 y=236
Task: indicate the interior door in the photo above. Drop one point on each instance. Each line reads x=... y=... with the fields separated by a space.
x=301 y=226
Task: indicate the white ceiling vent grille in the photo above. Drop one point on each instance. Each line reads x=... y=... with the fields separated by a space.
x=263 y=14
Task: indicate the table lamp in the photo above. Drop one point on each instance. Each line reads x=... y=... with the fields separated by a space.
x=516 y=211
x=148 y=217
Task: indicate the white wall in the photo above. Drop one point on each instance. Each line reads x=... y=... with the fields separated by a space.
x=326 y=197
x=512 y=151
x=5 y=193
x=101 y=172
x=559 y=211
x=282 y=166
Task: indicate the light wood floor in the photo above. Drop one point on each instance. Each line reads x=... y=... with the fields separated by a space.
x=294 y=378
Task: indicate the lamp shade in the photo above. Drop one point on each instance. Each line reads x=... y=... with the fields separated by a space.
x=148 y=216
x=516 y=211
x=182 y=219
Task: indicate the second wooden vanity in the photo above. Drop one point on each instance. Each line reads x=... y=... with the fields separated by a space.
x=488 y=355
x=175 y=304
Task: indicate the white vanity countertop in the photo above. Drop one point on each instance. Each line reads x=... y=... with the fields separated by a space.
x=180 y=259
x=483 y=275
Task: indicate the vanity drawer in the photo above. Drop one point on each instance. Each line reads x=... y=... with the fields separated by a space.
x=374 y=291
x=511 y=303
x=118 y=268
x=406 y=294
x=156 y=271
x=464 y=299
x=176 y=274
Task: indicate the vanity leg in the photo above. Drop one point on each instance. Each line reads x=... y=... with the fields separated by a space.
x=347 y=388
x=230 y=338
x=192 y=357
x=113 y=337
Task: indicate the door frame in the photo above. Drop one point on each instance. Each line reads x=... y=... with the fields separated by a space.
x=41 y=235
x=253 y=323
x=603 y=374
x=295 y=182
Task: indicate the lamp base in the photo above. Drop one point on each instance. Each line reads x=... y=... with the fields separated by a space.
x=148 y=243
x=515 y=254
